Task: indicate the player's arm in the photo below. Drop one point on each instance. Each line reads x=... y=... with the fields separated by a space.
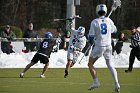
x=114 y=28
x=56 y=44
x=91 y=34
x=83 y=43
x=136 y=38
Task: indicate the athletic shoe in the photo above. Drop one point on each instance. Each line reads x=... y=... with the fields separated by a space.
x=66 y=74
x=117 y=88
x=127 y=71
x=42 y=76
x=94 y=85
x=21 y=75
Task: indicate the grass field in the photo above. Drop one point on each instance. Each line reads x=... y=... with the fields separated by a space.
x=78 y=81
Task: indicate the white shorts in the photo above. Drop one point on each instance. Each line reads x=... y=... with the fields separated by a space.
x=98 y=51
x=71 y=55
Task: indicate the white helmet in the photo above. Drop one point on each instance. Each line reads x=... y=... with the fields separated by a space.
x=81 y=31
x=101 y=7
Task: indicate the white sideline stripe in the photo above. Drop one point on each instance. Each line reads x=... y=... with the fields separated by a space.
x=124 y=84
x=49 y=82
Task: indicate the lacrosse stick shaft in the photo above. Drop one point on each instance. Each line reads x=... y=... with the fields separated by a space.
x=84 y=54
x=71 y=18
x=110 y=13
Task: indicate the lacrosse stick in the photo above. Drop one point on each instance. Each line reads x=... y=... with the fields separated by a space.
x=84 y=54
x=116 y=3
x=71 y=18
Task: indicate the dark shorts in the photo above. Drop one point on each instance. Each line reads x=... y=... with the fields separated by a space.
x=38 y=57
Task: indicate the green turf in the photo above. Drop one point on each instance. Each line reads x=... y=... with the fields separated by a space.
x=77 y=82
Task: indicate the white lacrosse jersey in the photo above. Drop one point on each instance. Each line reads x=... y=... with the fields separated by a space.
x=101 y=28
x=80 y=42
x=76 y=41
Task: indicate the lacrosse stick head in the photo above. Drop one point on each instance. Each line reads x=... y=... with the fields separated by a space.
x=77 y=16
x=116 y=3
x=55 y=20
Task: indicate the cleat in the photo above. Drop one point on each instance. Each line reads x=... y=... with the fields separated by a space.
x=94 y=85
x=117 y=88
x=21 y=75
x=42 y=76
x=127 y=71
x=66 y=74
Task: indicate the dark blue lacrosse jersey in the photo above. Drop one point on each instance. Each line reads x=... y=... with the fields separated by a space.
x=46 y=47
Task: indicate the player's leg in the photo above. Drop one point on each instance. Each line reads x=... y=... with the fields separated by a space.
x=131 y=61
x=95 y=54
x=33 y=61
x=91 y=67
x=25 y=69
x=44 y=70
x=69 y=62
x=108 y=58
x=114 y=74
x=45 y=60
x=68 y=66
x=92 y=71
x=138 y=54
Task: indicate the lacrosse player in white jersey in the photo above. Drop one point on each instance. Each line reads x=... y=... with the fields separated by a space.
x=76 y=44
x=100 y=33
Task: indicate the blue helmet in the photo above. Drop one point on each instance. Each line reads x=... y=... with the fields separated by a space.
x=48 y=35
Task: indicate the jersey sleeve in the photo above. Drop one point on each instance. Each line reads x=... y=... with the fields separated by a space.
x=83 y=43
x=92 y=28
x=137 y=37
x=114 y=29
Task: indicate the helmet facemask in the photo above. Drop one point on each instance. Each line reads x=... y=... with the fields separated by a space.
x=81 y=31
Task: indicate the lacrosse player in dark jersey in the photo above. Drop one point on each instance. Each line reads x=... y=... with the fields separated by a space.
x=43 y=54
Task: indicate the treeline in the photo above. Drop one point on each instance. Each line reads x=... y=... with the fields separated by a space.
x=42 y=12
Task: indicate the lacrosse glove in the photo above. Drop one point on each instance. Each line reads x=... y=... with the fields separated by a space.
x=77 y=49
x=91 y=40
